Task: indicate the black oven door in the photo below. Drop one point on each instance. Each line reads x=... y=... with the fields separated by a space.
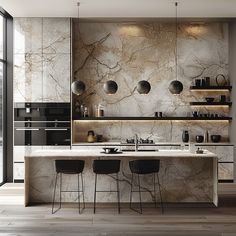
x=28 y=136
x=57 y=136
x=42 y=136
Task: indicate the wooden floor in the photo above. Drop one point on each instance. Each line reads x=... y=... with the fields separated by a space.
x=15 y=219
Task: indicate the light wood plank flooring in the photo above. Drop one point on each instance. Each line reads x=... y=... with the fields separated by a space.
x=15 y=219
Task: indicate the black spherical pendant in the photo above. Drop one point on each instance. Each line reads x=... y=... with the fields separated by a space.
x=176 y=87
x=143 y=87
x=78 y=87
x=110 y=87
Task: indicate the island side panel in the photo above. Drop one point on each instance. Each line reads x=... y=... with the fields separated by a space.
x=183 y=179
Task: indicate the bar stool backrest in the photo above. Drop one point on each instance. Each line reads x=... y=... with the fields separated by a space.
x=106 y=166
x=144 y=166
x=69 y=166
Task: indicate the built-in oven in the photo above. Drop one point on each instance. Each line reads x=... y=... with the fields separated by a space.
x=42 y=124
x=41 y=133
x=42 y=112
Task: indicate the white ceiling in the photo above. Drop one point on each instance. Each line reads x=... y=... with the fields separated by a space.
x=119 y=8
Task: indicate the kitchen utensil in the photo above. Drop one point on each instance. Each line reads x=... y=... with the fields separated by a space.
x=199 y=138
x=215 y=138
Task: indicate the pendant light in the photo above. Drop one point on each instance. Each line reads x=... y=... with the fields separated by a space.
x=110 y=87
x=176 y=87
x=143 y=87
x=78 y=87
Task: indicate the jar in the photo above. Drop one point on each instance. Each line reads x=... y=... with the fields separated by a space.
x=100 y=111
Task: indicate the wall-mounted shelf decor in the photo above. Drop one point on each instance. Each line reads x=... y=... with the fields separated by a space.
x=219 y=104
x=179 y=118
x=211 y=88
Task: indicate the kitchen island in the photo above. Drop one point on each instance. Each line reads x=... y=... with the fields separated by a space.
x=185 y=177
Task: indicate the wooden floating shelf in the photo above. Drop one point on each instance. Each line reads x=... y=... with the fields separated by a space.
x=154 y=118
x=211 y=104
x=211 y=88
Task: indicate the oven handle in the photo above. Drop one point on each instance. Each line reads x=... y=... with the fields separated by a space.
x=26 y=129
x=55 y=129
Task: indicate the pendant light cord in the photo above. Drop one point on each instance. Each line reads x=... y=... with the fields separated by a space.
x=176 y=39
x=78 y=4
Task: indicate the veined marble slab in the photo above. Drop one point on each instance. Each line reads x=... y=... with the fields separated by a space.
x=184 y=176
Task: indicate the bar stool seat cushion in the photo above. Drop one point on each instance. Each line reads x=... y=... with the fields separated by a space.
x=144 y=166
x=106 y=166
x=69 y=166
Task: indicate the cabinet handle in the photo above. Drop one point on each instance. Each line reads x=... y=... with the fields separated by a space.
x=55 y=129
x=27 y=129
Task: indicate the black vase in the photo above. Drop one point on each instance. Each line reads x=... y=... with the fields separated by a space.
x=185 y=136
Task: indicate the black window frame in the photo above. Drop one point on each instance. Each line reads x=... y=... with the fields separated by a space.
x=7 y=105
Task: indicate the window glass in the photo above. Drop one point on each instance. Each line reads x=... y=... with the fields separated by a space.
x=1 y=37
x=1 y=136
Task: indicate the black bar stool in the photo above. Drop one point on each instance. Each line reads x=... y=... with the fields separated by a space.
x=70 y=167
x=144 y=167
x=106 y=167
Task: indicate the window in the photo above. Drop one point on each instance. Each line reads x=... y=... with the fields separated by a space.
x=5 y=43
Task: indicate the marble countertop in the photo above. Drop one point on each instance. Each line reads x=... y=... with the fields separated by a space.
x=97 y=153
x=117 y=143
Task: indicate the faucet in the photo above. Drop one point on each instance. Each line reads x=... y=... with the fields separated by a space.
x=136 y=142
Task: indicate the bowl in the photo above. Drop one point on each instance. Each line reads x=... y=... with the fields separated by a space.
x=209 y=99
x=110 y=150
x=199 y=138
x=215 y=138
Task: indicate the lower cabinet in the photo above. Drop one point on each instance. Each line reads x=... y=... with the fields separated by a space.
x=20 y=152
x=225 y=155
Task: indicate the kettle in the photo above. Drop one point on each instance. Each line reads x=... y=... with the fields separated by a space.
x=91 y=136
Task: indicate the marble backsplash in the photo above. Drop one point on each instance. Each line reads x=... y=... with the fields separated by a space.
x=130 y=52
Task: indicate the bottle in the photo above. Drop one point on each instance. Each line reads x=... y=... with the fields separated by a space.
x=185 y=136
x=86 y=112
x=206 y=136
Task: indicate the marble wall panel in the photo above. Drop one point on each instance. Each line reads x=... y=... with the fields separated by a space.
x=128 y=53
x=56 y=77
x=56 y=35
x=28 y=85
x=28 y=35
x=45 y=41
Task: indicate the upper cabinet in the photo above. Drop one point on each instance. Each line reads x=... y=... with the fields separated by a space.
x=42 y=59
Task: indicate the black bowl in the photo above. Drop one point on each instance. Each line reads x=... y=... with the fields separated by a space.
x=199 y=138
x=209 y=99
x=215 y=138
x=110 y=150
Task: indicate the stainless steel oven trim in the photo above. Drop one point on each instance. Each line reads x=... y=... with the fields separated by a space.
x=56 y=129
x=23 y=129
